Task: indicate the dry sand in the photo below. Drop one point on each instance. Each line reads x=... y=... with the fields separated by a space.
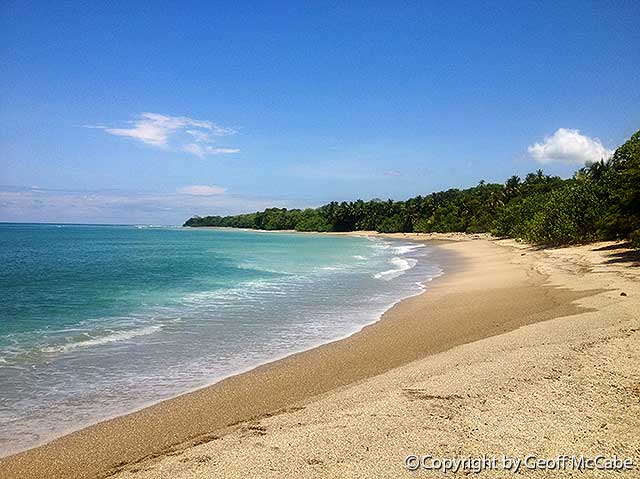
x=515 y=351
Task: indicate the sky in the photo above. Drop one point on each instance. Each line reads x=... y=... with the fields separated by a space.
x=119 y=112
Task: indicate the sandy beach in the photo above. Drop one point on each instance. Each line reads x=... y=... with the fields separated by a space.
x=513 y=351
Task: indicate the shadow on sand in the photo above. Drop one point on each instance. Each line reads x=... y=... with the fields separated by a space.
x=621 y=253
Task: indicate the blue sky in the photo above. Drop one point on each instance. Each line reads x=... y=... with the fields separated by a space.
x=113 y=112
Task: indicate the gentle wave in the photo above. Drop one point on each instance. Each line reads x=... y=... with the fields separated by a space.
x=251 y=289
x=378 y=243
x=401 y=265
x=96 y=341
x=247 y=266
x=408 y=248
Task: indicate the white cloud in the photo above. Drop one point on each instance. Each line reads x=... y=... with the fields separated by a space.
x=204 y=150
x=568 y=146
x=175 y=133
x=199 y=135
x=202 y=190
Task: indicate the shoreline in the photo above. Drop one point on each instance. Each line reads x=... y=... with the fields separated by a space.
x=377 y=316
x=179 y=423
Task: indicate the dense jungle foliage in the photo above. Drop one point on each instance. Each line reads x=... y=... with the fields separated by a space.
x=601 y=201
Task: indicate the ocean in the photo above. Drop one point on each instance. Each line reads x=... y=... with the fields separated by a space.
x=98 y=321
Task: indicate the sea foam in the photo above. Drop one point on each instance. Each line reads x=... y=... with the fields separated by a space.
x=155 y=312
x=401 y=265
x=79 y=342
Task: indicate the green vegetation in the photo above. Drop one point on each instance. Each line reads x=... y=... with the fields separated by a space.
x=601 y=201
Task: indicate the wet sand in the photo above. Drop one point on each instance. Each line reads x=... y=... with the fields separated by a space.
x=489 y=290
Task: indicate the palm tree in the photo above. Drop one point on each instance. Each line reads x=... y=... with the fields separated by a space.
x=596 y=170
x=512 y=187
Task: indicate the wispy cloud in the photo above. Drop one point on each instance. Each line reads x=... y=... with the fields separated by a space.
x=568 y=146
x=117 y=206
x=179 y=133
x=202 y=190
x=201 y=150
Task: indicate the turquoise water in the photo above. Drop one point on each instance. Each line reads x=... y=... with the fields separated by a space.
x=96 y=321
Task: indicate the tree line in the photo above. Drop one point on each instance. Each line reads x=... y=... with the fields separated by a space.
x=600 y=201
